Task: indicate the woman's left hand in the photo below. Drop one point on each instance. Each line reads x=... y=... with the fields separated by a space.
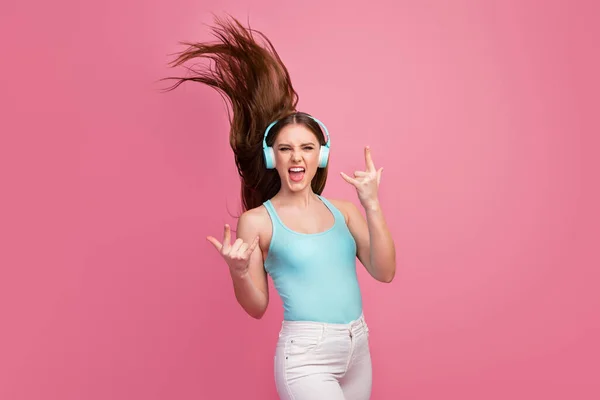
x=366 y=182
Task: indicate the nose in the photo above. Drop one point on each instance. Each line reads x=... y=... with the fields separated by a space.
x=296 y=156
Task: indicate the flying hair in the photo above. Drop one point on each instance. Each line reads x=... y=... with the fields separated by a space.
x=244 y=67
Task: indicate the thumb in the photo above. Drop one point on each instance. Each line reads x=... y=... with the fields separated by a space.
x=351 y=181
x=215 y=243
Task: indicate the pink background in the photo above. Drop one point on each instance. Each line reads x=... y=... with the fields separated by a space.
x=484 y=115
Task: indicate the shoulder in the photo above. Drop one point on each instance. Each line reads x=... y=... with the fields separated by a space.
x=256 y=218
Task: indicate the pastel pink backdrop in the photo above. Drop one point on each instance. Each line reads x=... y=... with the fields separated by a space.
x=484 y=115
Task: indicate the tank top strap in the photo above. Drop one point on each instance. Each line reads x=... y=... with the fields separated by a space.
x=337 y=214
x=273 y=214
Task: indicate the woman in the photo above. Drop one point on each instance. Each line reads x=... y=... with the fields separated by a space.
x=307 y=244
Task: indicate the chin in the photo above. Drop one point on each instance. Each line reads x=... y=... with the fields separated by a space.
x=298 y=186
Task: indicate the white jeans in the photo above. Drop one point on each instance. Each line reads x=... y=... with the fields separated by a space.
x=323 y=361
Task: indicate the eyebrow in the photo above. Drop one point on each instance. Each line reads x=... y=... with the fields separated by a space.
x=302 y=144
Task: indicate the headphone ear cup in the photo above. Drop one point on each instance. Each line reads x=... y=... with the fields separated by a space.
x=269 y=157
x=323 y=156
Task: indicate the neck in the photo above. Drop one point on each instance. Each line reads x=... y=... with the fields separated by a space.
x=300 y=199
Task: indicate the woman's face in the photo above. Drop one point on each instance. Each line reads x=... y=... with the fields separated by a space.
x=296 y=150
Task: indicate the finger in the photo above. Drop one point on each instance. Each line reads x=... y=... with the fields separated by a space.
x=379 y=173
x=235 y=247
x=241 y=252
x=360 y=174
x=351 y=181
x=227 y=238
x=215 y=242
x=369 y=159
x=252 y=247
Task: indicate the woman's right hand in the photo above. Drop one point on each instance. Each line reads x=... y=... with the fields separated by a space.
x=236 y=255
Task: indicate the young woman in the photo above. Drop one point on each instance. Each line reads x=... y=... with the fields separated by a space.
x=307 y=243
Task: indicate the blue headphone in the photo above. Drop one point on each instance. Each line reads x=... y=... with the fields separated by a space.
x=269 y=154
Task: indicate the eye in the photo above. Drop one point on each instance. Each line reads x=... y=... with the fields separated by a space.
x=308 y=148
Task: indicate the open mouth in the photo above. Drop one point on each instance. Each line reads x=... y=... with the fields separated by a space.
x=296 y=173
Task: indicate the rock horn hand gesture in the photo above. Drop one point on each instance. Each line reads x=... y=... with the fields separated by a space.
x=236 y=255
x=366 y=182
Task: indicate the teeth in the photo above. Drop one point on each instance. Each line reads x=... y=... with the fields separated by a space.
x=297 y=169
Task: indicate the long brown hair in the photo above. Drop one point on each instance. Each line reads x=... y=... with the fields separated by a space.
x=253 y=80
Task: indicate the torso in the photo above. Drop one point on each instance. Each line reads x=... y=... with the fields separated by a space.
x=311 y=260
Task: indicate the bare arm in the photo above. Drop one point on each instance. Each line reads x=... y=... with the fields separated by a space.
x=375 y=246
x=245 y=262
x=251 y=289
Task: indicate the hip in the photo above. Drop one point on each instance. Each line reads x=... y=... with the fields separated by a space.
x=322 y=345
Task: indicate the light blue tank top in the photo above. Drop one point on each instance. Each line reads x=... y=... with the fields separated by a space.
x=315 y=274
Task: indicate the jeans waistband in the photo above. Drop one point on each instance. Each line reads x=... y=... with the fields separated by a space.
x=355 y=326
